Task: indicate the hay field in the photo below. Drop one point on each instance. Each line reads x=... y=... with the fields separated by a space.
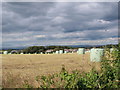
x=16 y=69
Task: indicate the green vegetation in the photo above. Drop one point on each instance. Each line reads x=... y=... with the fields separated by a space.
x=106 y=78
x=108 y=46
x=38 y=49
x=34 y=49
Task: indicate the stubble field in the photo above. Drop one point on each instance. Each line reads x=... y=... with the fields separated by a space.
x=17 y=69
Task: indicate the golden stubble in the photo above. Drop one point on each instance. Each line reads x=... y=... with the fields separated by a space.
x=16 y=68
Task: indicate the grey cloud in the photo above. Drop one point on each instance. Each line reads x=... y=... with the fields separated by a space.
x=51 y=19
x=28 y=9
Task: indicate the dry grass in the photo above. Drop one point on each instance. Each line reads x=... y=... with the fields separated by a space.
x=18 y=68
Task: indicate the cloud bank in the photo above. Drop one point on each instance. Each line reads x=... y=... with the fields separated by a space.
x=59 y=23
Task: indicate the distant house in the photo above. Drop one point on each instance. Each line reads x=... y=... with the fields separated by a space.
x=49 y=51
x=66 y=50
x=70 y=50
x=74 y=50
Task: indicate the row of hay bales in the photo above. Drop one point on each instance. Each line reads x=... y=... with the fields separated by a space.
x=96 y=54
x=6 y=52
x=57 y=52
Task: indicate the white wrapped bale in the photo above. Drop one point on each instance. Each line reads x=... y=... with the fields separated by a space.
x=5 y=52
x=65 y=52
x=57 y=52
x=41 y=52
x=77 y=51
x=96 y=55
x=60 y=51
x=81 y=51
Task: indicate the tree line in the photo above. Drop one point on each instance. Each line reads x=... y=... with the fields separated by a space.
x=38 y=49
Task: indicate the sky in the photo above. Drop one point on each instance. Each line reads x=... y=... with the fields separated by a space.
x=59 y=23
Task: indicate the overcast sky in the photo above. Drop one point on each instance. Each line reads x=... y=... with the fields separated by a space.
x=57 y=23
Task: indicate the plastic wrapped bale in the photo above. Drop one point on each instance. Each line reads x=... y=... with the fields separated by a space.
x=65 y=52
x=41 y=53
x=96 y=55
x=21 y=53
x=61 y=51
x=5 y=52
x=57 y=52
x=77 y=51
x=81 y=51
